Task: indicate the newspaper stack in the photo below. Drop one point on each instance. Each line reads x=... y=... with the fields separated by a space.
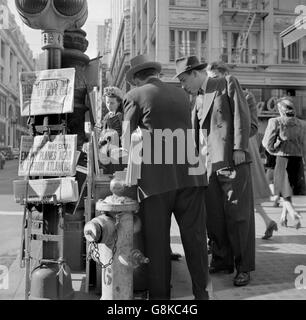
x=135 y=159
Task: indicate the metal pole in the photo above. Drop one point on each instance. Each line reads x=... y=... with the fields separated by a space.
x=51 y=250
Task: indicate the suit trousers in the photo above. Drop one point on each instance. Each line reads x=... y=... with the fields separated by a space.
x=188 y=207
x=230 y=218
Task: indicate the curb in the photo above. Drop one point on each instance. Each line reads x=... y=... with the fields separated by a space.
x=16 y=283
x=11 y=213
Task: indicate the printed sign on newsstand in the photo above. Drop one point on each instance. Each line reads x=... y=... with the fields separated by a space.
x=47 y=92
x=41 y=157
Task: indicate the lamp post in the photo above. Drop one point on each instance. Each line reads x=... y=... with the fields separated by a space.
x=53 y=17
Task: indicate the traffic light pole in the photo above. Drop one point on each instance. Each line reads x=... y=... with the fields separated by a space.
x=52 y=43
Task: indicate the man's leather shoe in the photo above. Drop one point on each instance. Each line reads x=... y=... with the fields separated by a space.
x=242 y=279
x=221 y=269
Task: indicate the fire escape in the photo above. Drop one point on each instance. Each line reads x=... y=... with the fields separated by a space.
x=248 y=10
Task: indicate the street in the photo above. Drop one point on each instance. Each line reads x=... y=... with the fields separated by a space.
x=7 y=176
x=10 y=215
x=280 y=262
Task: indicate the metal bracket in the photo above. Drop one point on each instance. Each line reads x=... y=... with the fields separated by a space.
x=45 y=237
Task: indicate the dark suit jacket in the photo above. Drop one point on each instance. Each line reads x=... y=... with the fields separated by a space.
x=154 y=106
x=225 y=118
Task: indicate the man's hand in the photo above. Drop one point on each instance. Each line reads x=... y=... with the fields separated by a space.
x=239 y=157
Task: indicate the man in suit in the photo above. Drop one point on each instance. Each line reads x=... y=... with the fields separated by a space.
x=166 y=187
x=222 y=127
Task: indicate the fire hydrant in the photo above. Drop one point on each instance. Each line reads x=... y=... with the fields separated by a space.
x=111 y=240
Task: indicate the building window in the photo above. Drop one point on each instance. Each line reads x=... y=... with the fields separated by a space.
x=2 y=49
x=276 y=48
x=234 y=46
x=11 y=66
x=291 y=54
x=232 y=51
x=244 y=4
x=2 y=105
x=203 y=46
x=172 y=45
x=303 y=45
x=224 y=55
x=276 y=4
x=2 y=74
x=182 y=49
x=193 y=35
x=187 y=42
x=203 y=3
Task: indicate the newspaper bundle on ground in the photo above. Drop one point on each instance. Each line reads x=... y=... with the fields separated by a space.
x=47 y=92
x=41 y=157
x=62 y=190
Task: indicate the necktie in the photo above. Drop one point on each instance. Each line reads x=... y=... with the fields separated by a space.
x=201 y=92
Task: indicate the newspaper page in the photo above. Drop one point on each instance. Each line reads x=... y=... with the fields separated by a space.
x=41 y=157
x=47 y=92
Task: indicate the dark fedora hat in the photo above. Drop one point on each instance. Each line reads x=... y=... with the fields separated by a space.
x=186 y=64
x=139 y=63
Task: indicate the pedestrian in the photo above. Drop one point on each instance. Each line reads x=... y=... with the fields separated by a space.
x=166 y=187
x=221 y=120
x=270 y=163
x=261 y=188
x=112 y=121
x=111 y=129
x=285 y=138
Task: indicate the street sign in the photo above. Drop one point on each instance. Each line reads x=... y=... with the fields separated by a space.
x=41 y=157
x=47 y=92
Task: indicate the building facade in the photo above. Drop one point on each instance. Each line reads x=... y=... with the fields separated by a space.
x=15 y=57
x=243 y=33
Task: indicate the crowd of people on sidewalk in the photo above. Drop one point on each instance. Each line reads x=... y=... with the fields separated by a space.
x=211 y=176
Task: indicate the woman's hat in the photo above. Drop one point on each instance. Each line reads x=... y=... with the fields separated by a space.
x=286 y=105
x=139 y=63
x=113 y=92
x=186 y=64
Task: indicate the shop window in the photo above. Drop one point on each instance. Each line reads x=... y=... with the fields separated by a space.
x=290 y=93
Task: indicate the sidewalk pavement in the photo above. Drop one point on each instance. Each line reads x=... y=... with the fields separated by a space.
x=274 y=278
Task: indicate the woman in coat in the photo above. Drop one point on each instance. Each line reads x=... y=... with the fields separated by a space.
x=285 y=138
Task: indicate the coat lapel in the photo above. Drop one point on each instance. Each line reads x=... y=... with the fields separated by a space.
x=209 y=97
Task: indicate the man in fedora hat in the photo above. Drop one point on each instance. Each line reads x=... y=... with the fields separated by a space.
x=166 y=187
x=222 y=127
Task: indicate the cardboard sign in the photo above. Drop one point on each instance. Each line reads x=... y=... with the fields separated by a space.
x=40 y=157
x=47 y=92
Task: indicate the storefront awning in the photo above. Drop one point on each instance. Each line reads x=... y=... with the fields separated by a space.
x=294 y=32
